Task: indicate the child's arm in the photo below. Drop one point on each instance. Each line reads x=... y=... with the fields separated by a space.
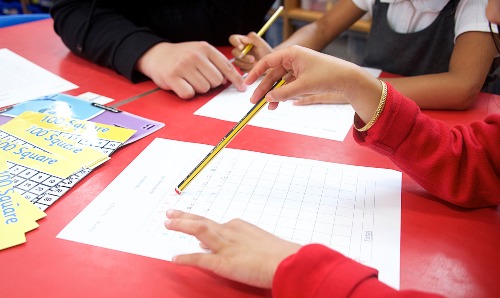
x=453 y=90
x=319 y=34
x=458 y=88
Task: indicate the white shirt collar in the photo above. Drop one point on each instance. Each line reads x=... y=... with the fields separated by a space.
x=423 y=5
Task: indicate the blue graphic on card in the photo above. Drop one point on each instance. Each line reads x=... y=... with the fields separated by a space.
x=56 y=104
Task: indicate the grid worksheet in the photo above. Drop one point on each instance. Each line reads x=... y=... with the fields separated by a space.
x=355 y=210
x=300 y=202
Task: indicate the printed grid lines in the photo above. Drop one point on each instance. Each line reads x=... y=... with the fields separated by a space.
x=298 y=202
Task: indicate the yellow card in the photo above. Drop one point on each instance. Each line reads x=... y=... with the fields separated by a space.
x=17 y=215
x=11 y=226
x=52 y=142
x=37 y=159
x=91 y=132
x=28 y=212
x=11 y=235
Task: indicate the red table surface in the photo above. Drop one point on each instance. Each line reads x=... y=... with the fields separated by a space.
x=444 y=249
x=38 y=42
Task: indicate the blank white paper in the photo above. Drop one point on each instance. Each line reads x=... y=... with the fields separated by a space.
x=328 y=121
x=22 y=80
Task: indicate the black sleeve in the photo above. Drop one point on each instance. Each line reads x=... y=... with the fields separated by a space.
x=117 y=33
x=97 y=31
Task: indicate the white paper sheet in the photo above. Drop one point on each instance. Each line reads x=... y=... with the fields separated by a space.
x=21 y=80
x=328 y=121
x=355 y=210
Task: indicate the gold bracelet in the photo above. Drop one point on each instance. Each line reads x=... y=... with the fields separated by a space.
x=378 y=111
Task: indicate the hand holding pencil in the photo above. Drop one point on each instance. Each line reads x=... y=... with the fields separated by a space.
x=227 y=139
x=253 y=41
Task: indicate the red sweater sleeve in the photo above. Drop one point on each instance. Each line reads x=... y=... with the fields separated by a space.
x=459 y=164
x=317 y=271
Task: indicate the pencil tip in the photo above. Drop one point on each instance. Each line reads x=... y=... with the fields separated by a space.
x=178 y=191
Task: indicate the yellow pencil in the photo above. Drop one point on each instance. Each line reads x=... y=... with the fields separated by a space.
x=228 y=138
x=263 y=30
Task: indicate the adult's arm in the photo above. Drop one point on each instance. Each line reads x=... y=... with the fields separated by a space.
x=102 y=34
x=460 y=164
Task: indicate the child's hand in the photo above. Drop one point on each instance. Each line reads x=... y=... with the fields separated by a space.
x=309 y=72
x=324 y=98
x=238 y=250
x=259 y=49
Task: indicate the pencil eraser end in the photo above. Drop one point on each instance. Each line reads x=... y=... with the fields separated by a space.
x=178 y=191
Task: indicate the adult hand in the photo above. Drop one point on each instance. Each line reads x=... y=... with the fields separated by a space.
x=259 y=49
x=188 y=68
x=238 y=250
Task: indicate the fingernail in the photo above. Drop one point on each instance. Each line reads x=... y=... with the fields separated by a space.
x=167 y=223
x=170 y=212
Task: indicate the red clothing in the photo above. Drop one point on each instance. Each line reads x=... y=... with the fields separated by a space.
x=460 y=165
x=317 y=271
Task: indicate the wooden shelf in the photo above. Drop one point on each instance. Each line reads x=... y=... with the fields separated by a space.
x=304 y=15
x=292 y=11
